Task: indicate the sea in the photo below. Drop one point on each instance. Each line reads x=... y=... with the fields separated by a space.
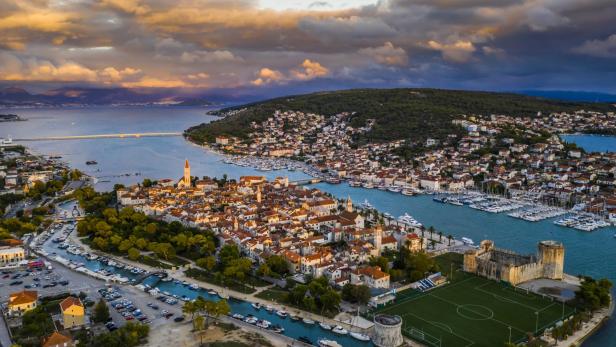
x=130 y=160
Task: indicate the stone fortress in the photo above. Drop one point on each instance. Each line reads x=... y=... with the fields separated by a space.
x=504 y=265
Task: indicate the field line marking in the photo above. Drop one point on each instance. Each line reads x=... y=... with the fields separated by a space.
x=404 y=301
x=507 y=299
x=496 y=320
x=452 y=333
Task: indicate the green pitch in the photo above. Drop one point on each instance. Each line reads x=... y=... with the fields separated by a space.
x=473 y=311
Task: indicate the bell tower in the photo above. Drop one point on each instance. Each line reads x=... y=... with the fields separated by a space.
x=349 y=204
x=259 y=194
x=186 y=174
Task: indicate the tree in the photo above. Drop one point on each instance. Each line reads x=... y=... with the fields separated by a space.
x=101 y=312
x=449 y=238
x=278 y=264
x=356 y=293
x=440 y=236
x=133 y=253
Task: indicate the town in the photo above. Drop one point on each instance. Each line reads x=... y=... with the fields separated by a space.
x=497 y=154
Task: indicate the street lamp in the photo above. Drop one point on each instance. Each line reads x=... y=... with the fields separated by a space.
x=536 y=322
x=509 y=334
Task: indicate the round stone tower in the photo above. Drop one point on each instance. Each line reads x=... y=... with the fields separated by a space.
x=552 y=257
x=387 y=330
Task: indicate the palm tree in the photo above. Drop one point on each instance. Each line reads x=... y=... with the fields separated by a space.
x=423 y=229
x=449 y=237
x=440 y=236
x=433 y=244
x=431 y=231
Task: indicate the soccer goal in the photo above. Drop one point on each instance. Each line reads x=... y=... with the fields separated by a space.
x=423 y=336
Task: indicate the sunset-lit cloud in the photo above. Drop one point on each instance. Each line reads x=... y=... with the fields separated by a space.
x=263 y=44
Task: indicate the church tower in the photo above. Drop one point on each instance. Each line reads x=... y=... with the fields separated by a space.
x=259 y=194
x=378 y=238
x=349 y=204
x=186 y=174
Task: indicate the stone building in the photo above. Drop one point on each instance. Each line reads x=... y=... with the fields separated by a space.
x=387 y=331
x=504 y=265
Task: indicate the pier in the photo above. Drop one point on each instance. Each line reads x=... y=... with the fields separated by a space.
x=101 y=136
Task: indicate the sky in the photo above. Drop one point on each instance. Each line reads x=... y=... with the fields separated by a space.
x=297 y=45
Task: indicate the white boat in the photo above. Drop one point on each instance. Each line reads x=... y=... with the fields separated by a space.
x=308 y=321
x=212 y=292
x=340 y=330
x=263 y=324
x=328 y=343
x=467 y=241
x=366 y=204
x=282 y=314
x=325 y=326
x=359 y=336
x=193 y=286
x=256 y=305
x=251 y=320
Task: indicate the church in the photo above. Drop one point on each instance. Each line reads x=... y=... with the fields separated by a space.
x=185 y=181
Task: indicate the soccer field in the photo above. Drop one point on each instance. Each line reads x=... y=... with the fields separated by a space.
x=474 y=311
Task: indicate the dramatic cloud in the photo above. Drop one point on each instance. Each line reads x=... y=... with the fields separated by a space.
x=309 y=44
x=387 y=54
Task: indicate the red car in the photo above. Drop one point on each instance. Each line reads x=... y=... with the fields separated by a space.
x=129 y=317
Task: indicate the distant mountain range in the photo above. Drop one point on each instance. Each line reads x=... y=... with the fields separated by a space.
x=571 y=95
x=18 y=97
x=84 y=96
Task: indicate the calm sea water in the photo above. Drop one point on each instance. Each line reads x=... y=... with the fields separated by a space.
x=593 y=143
x=163 y=157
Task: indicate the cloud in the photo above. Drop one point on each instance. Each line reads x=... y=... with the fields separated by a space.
x=153 y=82
x=266 y=76
x=209 y=57
x=598 y=48
x=310 y=70
x=387 y=54
x=457 y=52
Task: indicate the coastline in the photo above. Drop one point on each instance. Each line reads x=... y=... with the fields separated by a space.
x=596 y=323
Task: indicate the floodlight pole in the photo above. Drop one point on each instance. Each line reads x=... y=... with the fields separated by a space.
x=510 y=334
x=536 y=322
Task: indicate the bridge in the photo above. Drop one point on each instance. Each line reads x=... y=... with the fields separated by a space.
x=306 y=181
x=101 y=136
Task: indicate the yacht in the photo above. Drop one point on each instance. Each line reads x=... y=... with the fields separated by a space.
x=394 y=189
x=366 y=204
x=328 y=343
x=212 y=292
x=354 y=184
x=278 y=329
x=368 y=185
x=263 y=324
x=325 y=326
x=408 y=192
x=282 y=314
x=269 y=308
x=238 y=316
x=251 y=320
x=467 y=241
x=340 y=330
x=308 y=321
x=256 y=305
x=359 y=336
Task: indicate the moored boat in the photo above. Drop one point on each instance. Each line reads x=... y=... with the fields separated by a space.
x=328 y=343
x=360 y=336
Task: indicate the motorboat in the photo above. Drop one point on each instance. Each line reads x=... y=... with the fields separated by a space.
x=256 y=305
x=278 y=329
x=308 y=321
x=269 y=308
x=340 y=330
x=325 y=326
x=238 y=316
x=212 y=292
x=467 y=241
x=282 y=314
x=328 y=343
x=366 y=204
x=263 y=324
x=251 y=320
x=360 y=336
x=296 y=318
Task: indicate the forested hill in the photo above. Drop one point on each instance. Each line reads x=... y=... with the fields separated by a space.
x=399 y=113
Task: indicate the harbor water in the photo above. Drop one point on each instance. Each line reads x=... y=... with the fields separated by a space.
x=119 y=160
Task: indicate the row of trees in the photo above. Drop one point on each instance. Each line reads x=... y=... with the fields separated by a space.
x=593 y=294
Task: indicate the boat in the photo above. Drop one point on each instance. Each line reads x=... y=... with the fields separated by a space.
x=325 y=326
x=328 y=343
x=296 y=318
x=305 y=339
x=366 y=204
x=269 y=308
x=278 y=329
x=354 y=184
x=256 y=305
x=282 y=314
x=212 y=292
x=467 y=241
x=238 y=316
x=408 y=192
x=263 y=324
x=360 y=336
x=193 y=286
x=251 y=320
x=167 y=279
x=340 y=330
x=91 y=162
x=368 y=185
x=223 y=296
x=308 y=321
x=394 y=189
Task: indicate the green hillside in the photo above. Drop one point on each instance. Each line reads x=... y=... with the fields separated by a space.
x=400 y=113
